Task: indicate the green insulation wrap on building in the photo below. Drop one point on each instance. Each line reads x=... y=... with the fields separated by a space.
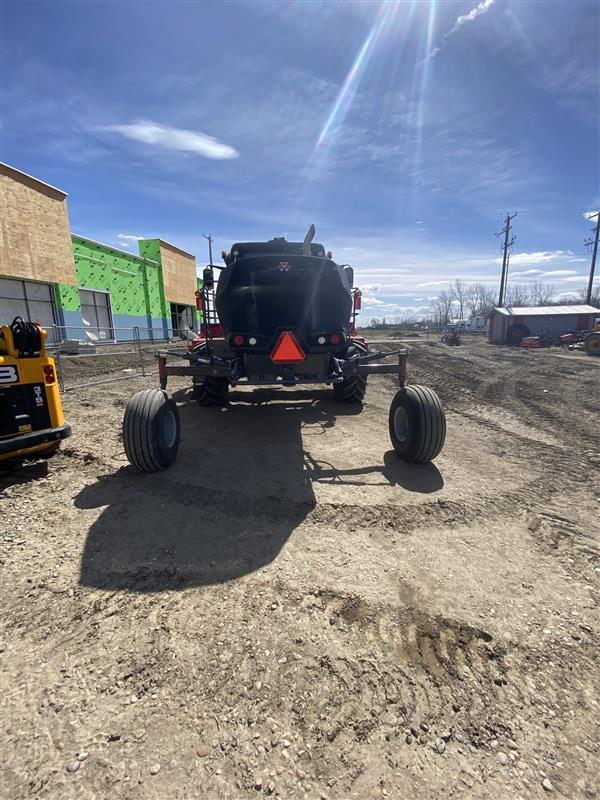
x=116 y=291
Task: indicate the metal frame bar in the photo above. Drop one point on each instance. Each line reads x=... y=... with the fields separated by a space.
x=360 y=366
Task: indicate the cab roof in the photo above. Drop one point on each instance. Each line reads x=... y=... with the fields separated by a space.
x=274 y=247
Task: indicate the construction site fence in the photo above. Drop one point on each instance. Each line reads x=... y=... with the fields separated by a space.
x=85 y=357
x=88 y=356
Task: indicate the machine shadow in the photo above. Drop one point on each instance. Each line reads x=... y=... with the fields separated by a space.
x=239 y=488
x=421 y=478
x=23 y=473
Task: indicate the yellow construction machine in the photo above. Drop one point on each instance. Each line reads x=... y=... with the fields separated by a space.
x=32 y=424
x=591 y=344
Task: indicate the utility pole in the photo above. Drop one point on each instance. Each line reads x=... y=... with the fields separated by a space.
x=505 y=250
x=592 y=243
x=210 y=241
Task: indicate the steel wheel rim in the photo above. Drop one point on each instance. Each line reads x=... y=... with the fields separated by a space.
x=401 y=424
x=169 y=429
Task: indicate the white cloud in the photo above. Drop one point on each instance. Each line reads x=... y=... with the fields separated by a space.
x=165 y=136
x=432 y=283
x=479 y=9
x=558 y=273
x=372 y=287
x=528 y=273
x=567 y=296
x=475 y=12
x=129 y=237
x=588 y=214
x=370 y=301
x=541 y=275
x=538 y=257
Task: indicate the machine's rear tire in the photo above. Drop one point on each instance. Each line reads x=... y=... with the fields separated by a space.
x=592 y=344
x=417 y=424
x=151 y=430
x=350 y=390
x=213 y=392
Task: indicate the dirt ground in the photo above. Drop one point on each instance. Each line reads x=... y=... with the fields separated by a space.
x=292 y=611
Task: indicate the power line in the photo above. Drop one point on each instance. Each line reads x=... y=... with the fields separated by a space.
x=592 y=242
x=505 y=255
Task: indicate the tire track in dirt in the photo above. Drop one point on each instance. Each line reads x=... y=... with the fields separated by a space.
x=348 y=676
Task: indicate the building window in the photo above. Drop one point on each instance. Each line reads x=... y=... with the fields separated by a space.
x=30 y=300
x=96 y=315
x=182 y=317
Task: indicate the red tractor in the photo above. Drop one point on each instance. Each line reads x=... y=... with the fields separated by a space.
x=574 y=336
x=451 y=336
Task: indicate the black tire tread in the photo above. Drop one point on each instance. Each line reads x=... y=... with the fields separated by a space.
x=138 y=433
x=351 y=390
x=430 y=422
x=213 y=392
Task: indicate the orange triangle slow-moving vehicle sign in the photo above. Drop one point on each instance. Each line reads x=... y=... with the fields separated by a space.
x=287 y=350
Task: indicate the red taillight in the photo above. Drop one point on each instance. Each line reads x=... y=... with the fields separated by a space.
x=287 y=350
x=357 y=300
x=49 y=376
x=335 y=339
x=238 y=340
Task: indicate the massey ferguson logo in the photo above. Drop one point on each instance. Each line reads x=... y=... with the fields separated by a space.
x=284 y=266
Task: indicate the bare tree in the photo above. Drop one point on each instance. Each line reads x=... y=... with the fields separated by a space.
x=472 y=299
x=445 y=300
x=476 y=299
x=594 y=299
x=486 y=299
x=542 y=293
x=458 y=292
x=519 y=296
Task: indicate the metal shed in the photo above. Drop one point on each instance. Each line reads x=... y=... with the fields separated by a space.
x=508 y=325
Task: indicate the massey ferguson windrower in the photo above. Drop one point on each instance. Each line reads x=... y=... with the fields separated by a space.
x=283 y=314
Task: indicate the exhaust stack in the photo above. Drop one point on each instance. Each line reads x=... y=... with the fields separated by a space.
x=307 y=240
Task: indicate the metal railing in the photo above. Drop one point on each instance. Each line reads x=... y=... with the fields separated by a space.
x=101 y=358
x=109 y=334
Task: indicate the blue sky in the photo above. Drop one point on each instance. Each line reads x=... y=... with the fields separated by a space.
x=403 y=130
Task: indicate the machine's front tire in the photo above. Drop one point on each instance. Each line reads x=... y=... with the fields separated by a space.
x=213 y=392
x=417 y=424
x=151 y=430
